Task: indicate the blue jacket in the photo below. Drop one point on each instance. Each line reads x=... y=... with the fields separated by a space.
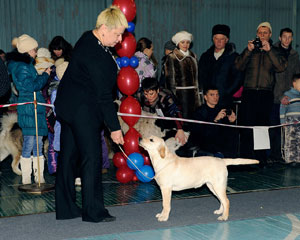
x=28 y=81
x=292 y=109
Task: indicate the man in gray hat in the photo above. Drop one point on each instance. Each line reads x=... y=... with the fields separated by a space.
x=260 y=60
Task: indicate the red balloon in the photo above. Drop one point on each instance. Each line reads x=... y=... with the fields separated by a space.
x=128 y=80
x=147 y=160
x=131 y=141
x=135 y=178
x=119 y=160
x=124 y=174
x=132 y=106
x=128 y=7
x=127 y=47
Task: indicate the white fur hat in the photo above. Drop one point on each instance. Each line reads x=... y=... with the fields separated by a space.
x=183 y=35
x=25 y=43
x=60 y=69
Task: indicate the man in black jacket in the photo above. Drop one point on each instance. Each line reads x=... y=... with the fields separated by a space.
x=211 y=140
x=216 y=66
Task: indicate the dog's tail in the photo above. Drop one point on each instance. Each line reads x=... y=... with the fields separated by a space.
x=239 y=161
x=8 y=121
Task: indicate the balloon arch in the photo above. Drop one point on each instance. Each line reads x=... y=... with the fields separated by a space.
x=128 y=84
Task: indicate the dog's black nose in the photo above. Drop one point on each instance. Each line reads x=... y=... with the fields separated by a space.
x=140 y=139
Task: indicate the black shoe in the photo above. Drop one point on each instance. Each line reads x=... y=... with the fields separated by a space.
x=108 y=218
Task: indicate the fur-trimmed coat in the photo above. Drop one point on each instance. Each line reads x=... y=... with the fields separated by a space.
x=182 y=71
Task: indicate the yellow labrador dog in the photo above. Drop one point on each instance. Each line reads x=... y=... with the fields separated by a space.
x=173 y=173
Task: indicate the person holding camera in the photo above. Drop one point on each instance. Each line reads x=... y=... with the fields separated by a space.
x=211 y=140
x=260 y=60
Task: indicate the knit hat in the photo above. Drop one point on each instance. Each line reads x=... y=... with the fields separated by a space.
x=265 y=24
x=180 y=36
x=221 y=29
x=60 y=69
x=169 y=45
x=14 y=42
x=25 y=43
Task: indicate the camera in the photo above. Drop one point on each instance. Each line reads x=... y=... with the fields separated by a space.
x=228 y=112
x=257 y=43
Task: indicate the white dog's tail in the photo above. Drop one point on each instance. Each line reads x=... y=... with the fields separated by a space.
x=8 y=121
x=239 y=161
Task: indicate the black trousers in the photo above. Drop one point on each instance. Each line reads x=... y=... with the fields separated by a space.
x=80 y=147
x=256 y=108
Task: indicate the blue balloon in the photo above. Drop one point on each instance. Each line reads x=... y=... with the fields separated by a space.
x=145 y=174
x=134 y=61
x=131 y=27
x=135 y=160
x=119 y=62
x=125 y=61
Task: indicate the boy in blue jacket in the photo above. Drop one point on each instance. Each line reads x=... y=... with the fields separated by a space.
x=291 y=114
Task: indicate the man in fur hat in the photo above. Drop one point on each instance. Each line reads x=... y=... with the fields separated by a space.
x=216 y=66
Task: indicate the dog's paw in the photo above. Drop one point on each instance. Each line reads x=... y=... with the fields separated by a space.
x=222 y=218
x=161 y=217
x=218 y=212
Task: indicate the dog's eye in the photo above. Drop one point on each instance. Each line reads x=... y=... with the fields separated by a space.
x=151 y=140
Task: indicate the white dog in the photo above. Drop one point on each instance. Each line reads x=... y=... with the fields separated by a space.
x=173 y=173
x=11 y=140
x=147 y=127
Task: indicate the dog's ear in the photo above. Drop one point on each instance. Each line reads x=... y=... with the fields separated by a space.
x=162 y=151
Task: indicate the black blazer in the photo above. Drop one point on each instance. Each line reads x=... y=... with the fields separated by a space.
x=89 y=79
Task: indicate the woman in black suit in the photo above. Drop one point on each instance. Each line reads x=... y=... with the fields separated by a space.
x=83 y=104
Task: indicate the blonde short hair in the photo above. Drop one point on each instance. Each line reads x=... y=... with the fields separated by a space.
x=112 y=17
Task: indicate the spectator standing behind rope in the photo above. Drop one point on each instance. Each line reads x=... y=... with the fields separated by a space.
x=216 y=66
x=168 y=48
x=84 y=102
x=283 y=83
x=27 y=81
x=290 y=114
x=260 y=60
x=147 y=62
x=181 y=73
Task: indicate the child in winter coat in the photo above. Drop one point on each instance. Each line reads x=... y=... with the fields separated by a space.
x=27 y=81
x=291 y=114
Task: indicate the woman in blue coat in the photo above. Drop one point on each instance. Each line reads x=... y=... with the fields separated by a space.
x=27 y=81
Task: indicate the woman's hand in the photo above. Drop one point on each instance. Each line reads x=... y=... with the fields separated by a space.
x=117 y=137
x=180 y=136
x=48 y=70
